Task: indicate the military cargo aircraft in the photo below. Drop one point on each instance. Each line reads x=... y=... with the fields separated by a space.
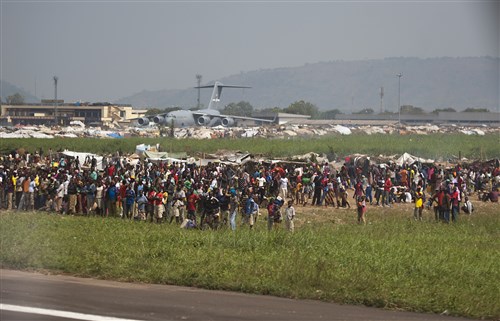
x=202 y=117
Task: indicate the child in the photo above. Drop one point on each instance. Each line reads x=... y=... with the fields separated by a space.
x=343 y=195
x=468 y=208
x=289 y=216
x=361 y=202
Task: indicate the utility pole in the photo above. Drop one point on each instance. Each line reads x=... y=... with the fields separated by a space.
x=198 y=80
x=399 y=98
x=55 y=100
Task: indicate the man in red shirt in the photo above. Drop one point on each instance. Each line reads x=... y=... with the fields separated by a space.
x=387 y=191
x=151 y=204
x=455 y=203
x=159 y=207
x=122 y=197
x=192 y=200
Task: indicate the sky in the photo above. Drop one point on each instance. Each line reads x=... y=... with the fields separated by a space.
x=106 y=50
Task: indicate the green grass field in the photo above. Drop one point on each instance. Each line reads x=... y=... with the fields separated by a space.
x=435 y=146
x=392 y=262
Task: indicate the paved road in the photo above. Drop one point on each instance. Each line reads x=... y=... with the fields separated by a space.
x=90 y=299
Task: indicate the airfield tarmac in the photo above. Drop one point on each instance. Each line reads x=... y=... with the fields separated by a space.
x=36 y=296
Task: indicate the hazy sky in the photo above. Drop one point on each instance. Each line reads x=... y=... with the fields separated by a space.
x=105 y=50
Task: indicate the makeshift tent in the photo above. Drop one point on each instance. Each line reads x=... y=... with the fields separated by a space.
x=410 y=159
x=82 y=156
x=140 y=149
x=165 y=157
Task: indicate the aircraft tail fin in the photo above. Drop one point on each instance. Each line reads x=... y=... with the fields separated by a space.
x=217 y=92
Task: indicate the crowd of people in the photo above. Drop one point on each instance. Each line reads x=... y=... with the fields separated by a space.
x=220 y=194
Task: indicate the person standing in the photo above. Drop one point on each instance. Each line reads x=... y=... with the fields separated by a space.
x=111 y=196
x=150 y=207
x=233 y=208
x=289 y=217
x=261 y=183
x=9 y=190
x=455 y=203
x=387 y=191
x=361 y=207
x=141 y=201
x=31 y=194
x=446 y=203
x=159 y=206
x=129 y=202
x=249 y=211
x=99 y=199
x=72 y=196
x=192 y=201
x=419 y=204
x=283 y=192
x=318 y=189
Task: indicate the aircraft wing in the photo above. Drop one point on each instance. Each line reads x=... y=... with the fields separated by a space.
x=249 y=118
x=211 y=117
x=157 y=119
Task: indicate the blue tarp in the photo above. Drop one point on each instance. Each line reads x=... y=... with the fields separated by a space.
x=115 y=135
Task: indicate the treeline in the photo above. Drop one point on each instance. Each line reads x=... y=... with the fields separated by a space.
x=301 y=107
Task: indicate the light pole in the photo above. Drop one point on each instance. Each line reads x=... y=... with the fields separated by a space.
x=399 y=98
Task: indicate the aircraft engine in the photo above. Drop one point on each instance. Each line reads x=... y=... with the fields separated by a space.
x=203 y=120
x=143 y=121
x=227 y=122
x=159 y=120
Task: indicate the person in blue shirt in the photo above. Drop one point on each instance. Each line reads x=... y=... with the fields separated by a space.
x=129 y=202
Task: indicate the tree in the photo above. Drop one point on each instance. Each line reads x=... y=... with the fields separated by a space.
x=365 y=111
x=273 y=110
x=476 y=110
x=16 y=99
x=303 y=108
x=329 y=114
x=243 y=108
x=409 y=109
x=155 y=111
x=438 y=110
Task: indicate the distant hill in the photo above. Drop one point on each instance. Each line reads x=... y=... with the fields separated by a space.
x=7 y=89
x=354 y=85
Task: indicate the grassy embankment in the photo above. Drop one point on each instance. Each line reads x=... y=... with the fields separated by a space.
x=430 y=146
x=393 y=262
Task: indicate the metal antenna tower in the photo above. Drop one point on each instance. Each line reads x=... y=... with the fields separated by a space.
x=198 y=80
x=399 y=97
x=55 y=99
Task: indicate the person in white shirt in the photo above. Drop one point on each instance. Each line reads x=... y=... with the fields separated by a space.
x=283 y=187
x=261 y=180
x=468 y=208
x=289 y=216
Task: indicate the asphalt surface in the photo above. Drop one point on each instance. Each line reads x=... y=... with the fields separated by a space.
x=99 y=300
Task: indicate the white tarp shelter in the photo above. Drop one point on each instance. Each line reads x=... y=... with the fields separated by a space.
x=342 y=130
x=83 y=156
x=410 y=159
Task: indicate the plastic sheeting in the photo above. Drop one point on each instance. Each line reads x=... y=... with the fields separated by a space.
x=410 y=159
x=83 y=156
